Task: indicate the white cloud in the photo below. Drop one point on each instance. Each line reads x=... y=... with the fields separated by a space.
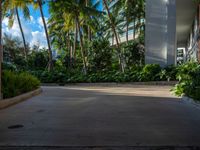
x=40 y=22
x=38 y=37
x=32 y=20
x=32 y=37
x=15 y=31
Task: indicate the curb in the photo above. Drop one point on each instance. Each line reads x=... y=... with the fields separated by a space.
x=191 y=101
x=161 y=83
x=15 y=100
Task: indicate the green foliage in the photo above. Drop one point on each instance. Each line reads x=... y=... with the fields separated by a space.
x=13 y=51
x=150 y=72
x=133 y=74
x=134 y=53
x=9 y=66
x=100 y=55
x=37 y=60
x=14 y=84
x=189 y=80
x=168 y=73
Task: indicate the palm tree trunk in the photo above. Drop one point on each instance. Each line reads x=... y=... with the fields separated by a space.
x=113 y=40
x=22 y=32
x=69 y=48
x=75 y=42
x=1 y=49
x=127 y=30
x=116 y=36
x=82 y=48
x=88 y=27
x=50 y=64
x=89 y=34
x=134 y=29
x=140 y=29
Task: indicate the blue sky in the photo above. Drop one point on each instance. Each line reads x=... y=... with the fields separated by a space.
x=33 y=29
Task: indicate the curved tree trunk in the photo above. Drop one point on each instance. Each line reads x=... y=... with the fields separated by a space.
x=50 y=64
x=82 y=47
x=22 y=32
x=1 y=49
x=121 y=62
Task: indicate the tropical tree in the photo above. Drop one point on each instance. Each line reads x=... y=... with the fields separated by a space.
x=11 y=10
x=61 y=35
x=74 y=15
x=50 y=63
x=1 y=48
x=133 y=13
x=113 y=26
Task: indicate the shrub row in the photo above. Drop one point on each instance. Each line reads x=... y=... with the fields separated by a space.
x=151 y=72
x=187 y=74
x=14 y=84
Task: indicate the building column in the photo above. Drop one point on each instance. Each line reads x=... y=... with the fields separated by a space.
x=160 y=32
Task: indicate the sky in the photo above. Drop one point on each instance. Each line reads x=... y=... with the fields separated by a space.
x=33 y=29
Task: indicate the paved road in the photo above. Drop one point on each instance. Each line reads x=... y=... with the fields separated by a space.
x=100 y=117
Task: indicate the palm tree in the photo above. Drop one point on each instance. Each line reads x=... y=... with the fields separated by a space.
x=22 y=33
x=81 y=44
x=61 y=34
x=1 y=48
x=121 y=62
x=50 y=64
x=74 y=13
x=75 y=40
x=11 y=9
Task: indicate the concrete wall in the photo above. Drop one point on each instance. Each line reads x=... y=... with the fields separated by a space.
x=160 y=32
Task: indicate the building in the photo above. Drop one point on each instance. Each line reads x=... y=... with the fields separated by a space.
x=171 y=31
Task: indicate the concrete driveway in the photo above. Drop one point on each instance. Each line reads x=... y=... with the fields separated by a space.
x=100 y=118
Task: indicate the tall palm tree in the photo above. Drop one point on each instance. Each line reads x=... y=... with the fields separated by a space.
x=61 y=34
x=74 y=13
x=22 y=32
x=121 y=62
x=11 y=9
x=1 y=48
x=50 y=63
x=75 y=39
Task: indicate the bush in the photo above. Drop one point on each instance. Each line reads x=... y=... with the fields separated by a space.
x=168 y=74
x=133 y=53
x=9 y=66
x=150 y=72
x=14 y=84
x=189 y=80
x=37 y=60
x=100 y=55
x=133 y=74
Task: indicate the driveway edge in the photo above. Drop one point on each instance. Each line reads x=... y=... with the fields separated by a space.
x=15 y=100
x=191 y=101
x=161 y=83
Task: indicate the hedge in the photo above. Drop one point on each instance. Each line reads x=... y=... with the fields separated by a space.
x=14 y=84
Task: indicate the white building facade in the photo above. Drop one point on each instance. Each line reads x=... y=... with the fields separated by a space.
x=171 y=31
